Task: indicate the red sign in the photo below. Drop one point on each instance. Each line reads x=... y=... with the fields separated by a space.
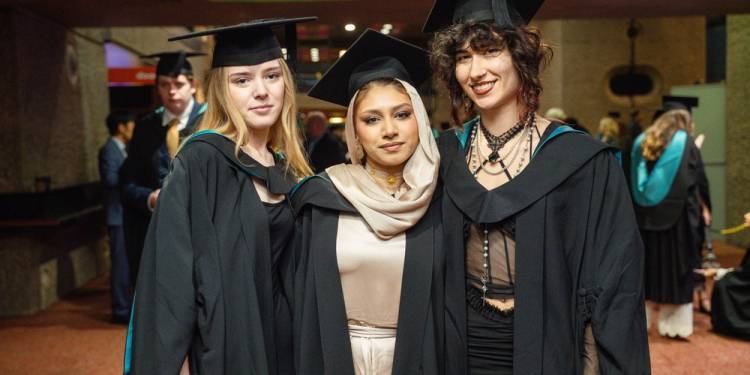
x=140 y=76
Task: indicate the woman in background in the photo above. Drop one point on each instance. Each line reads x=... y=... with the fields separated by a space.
x=667 y=176
x=609 y=132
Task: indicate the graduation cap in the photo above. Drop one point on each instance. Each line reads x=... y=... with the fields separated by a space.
x=676 y=102
x=506 y=13
x=173 y=64
x=679 y=102
x=251 y=43
x=372 y=56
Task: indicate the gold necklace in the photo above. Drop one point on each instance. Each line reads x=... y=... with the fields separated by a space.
x=392 y=180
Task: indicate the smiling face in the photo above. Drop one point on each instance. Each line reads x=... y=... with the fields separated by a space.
x=175 y=92
x=257 y=92
x=488 y=77
x=386 y=126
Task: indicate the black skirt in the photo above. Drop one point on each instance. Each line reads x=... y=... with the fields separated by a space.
x=490 y=337
x=671 y=256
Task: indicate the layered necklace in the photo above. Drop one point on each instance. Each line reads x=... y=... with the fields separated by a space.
x=478 y=161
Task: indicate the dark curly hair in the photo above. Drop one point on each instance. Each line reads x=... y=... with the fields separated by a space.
x=529 y=54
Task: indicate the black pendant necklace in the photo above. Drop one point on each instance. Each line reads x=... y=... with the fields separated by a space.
x=496 y=142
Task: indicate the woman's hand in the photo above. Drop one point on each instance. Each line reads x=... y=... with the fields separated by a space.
x=707 y=218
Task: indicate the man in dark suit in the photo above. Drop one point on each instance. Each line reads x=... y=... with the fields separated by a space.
x=155 y=141
x=111 y=157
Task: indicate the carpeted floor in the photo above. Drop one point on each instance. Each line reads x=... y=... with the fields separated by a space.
x=75 y=336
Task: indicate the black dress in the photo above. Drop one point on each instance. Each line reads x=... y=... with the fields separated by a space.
x=215 y=272
x=579 y=258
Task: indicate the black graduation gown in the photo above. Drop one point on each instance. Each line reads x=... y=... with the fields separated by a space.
x=673 y=232
x=730 y=302
x=205 y=287
x=579 y=257
x=144 y=171
x=425 y=336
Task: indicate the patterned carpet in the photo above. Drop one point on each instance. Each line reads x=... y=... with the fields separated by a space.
x=75 y=336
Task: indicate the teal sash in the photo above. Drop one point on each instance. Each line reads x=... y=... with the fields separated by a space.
x=649 y=189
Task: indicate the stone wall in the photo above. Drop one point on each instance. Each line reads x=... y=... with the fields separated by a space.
x=54 y=106
x=586 y=50
x=738 y=123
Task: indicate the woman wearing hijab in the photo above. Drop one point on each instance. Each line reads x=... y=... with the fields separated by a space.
x=667 y=179
x=368 y=286
x=538 y=220
x=212 y=285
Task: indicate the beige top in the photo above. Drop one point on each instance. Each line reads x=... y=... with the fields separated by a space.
x=371 y=269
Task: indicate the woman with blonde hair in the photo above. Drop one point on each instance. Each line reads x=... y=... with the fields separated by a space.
x=609 y=131
x=670 y=192
x=215 y=279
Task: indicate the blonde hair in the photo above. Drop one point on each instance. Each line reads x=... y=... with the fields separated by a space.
x=223 y=117
x=658 y=135
x=609 y=129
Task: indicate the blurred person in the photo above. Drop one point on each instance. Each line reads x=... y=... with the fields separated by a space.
x=730 y=300
x=215 y=279
x=329 y=149
x=155 y=141
x=667 y=177
x=369 y=285
x=609 y=132
x=556 y=114
x=111 y=157
x=518 y=189
x=315 y=127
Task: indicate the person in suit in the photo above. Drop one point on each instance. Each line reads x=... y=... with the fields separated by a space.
x=111 y=157
x=155 y=141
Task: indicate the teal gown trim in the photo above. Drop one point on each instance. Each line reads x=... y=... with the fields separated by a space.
x=649 y=189
x=128 y=358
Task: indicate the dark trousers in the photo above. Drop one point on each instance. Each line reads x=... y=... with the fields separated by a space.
x=120 y=274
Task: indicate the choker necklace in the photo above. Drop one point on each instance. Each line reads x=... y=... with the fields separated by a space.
x=393 y=180
x=496 y=142
x=478 y=161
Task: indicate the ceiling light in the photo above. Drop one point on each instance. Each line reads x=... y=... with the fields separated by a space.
x=385 y=31
x=342 y=52
x=350 y=27
x=283 y=52
x=314 y=55
x=387 y=26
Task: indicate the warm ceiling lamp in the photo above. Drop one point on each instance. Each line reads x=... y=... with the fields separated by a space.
x=350 y=27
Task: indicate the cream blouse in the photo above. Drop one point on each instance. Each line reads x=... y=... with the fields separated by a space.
x=371 y=270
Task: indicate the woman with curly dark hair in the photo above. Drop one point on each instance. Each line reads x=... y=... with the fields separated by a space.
x=547 y=261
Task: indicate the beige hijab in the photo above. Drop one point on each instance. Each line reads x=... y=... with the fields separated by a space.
x=388 y=216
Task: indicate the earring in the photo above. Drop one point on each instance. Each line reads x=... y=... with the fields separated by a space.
x=359 y=151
